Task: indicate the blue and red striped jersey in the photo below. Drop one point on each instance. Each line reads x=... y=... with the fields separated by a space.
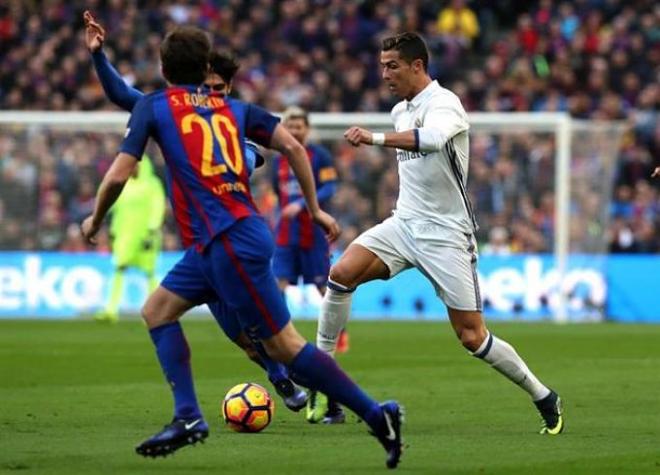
x=301 y=230
x=202 y=137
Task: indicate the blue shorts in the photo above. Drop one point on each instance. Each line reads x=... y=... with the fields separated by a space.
x=235 y=270
x=227 y=319
x=291 y=262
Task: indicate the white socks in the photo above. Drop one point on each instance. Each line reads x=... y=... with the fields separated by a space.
x=504 y=359
x=335 y=309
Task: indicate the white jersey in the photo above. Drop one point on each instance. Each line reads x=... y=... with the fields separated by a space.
x=432 y=185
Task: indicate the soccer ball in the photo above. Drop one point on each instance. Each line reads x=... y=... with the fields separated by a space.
x=248 y=407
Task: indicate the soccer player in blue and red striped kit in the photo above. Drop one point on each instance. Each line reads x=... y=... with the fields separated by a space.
x=219 y=79
x=302 y=250
x=202 y=137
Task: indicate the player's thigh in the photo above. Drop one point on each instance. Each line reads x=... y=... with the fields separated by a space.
x=315 y=264
x=286 y=264
x=453 y=273
x=126 y=252
x=187 y=283
x=187 y=279
x=164 y=306
x=378 y=253
x=226 y=318
x=148 y=256
x=229 y=323
x=238 y=265
x=146 y=262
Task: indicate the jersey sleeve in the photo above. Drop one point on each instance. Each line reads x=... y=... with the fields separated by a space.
x=114 y=86
x=441 y=123
x=326 y=168
x=253 y=157
x=260 y=125
x=327 y=176
x=139 y=128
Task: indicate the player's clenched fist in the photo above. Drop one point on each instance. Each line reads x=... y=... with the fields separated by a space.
x=89 y=229
x=357 y=135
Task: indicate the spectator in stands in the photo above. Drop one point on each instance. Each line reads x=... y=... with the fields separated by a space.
x=458 y=21
x=596 y=60
x=498 y=242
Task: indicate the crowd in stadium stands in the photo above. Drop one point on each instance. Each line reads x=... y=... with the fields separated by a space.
x=597 y=59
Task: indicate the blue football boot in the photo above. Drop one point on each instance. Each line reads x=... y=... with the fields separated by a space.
x=294 y=397
x=335 y=414
x=389 y=434
x=177 y=434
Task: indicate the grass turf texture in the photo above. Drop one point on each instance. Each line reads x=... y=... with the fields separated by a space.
x=76 y=397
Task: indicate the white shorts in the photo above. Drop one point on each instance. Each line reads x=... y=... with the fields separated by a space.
x=447 y=257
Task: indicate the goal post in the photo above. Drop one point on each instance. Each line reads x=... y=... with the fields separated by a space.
x=582 y=163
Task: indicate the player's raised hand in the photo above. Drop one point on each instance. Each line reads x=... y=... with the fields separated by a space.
x=89 y=230
x=656 y=172
x=94 y=32
x=328 y=223
x=357 y=135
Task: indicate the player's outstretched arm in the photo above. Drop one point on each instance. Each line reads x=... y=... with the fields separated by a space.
x=443 y=123
x=114 y=86
x=296 y=155
x=109 y=190
x=406 y=140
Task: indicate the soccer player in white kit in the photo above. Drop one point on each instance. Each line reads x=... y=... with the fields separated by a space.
x=433 y=225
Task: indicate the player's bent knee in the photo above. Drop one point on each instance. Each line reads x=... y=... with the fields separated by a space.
x=163 y=307
x=343 y=274
x=471 y=338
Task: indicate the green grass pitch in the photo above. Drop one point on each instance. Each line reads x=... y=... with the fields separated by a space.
x=75 y=398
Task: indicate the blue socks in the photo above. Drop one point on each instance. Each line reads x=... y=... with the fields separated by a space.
x=276 y=371
x=174 y=356
x=323 y=374
x=314 y=366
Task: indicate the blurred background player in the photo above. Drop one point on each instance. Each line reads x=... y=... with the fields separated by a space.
x=219 y=80
x=229 y=244
x=135 y=233
x=302 y=251
x=432 y=227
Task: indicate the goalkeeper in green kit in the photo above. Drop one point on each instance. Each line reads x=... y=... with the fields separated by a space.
x=135 y=232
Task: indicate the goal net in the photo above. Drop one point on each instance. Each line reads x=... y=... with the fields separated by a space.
x=541 y=184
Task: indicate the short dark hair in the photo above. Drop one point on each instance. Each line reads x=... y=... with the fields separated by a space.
x=410 y=46
x=223 y=64
x=184 y=54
